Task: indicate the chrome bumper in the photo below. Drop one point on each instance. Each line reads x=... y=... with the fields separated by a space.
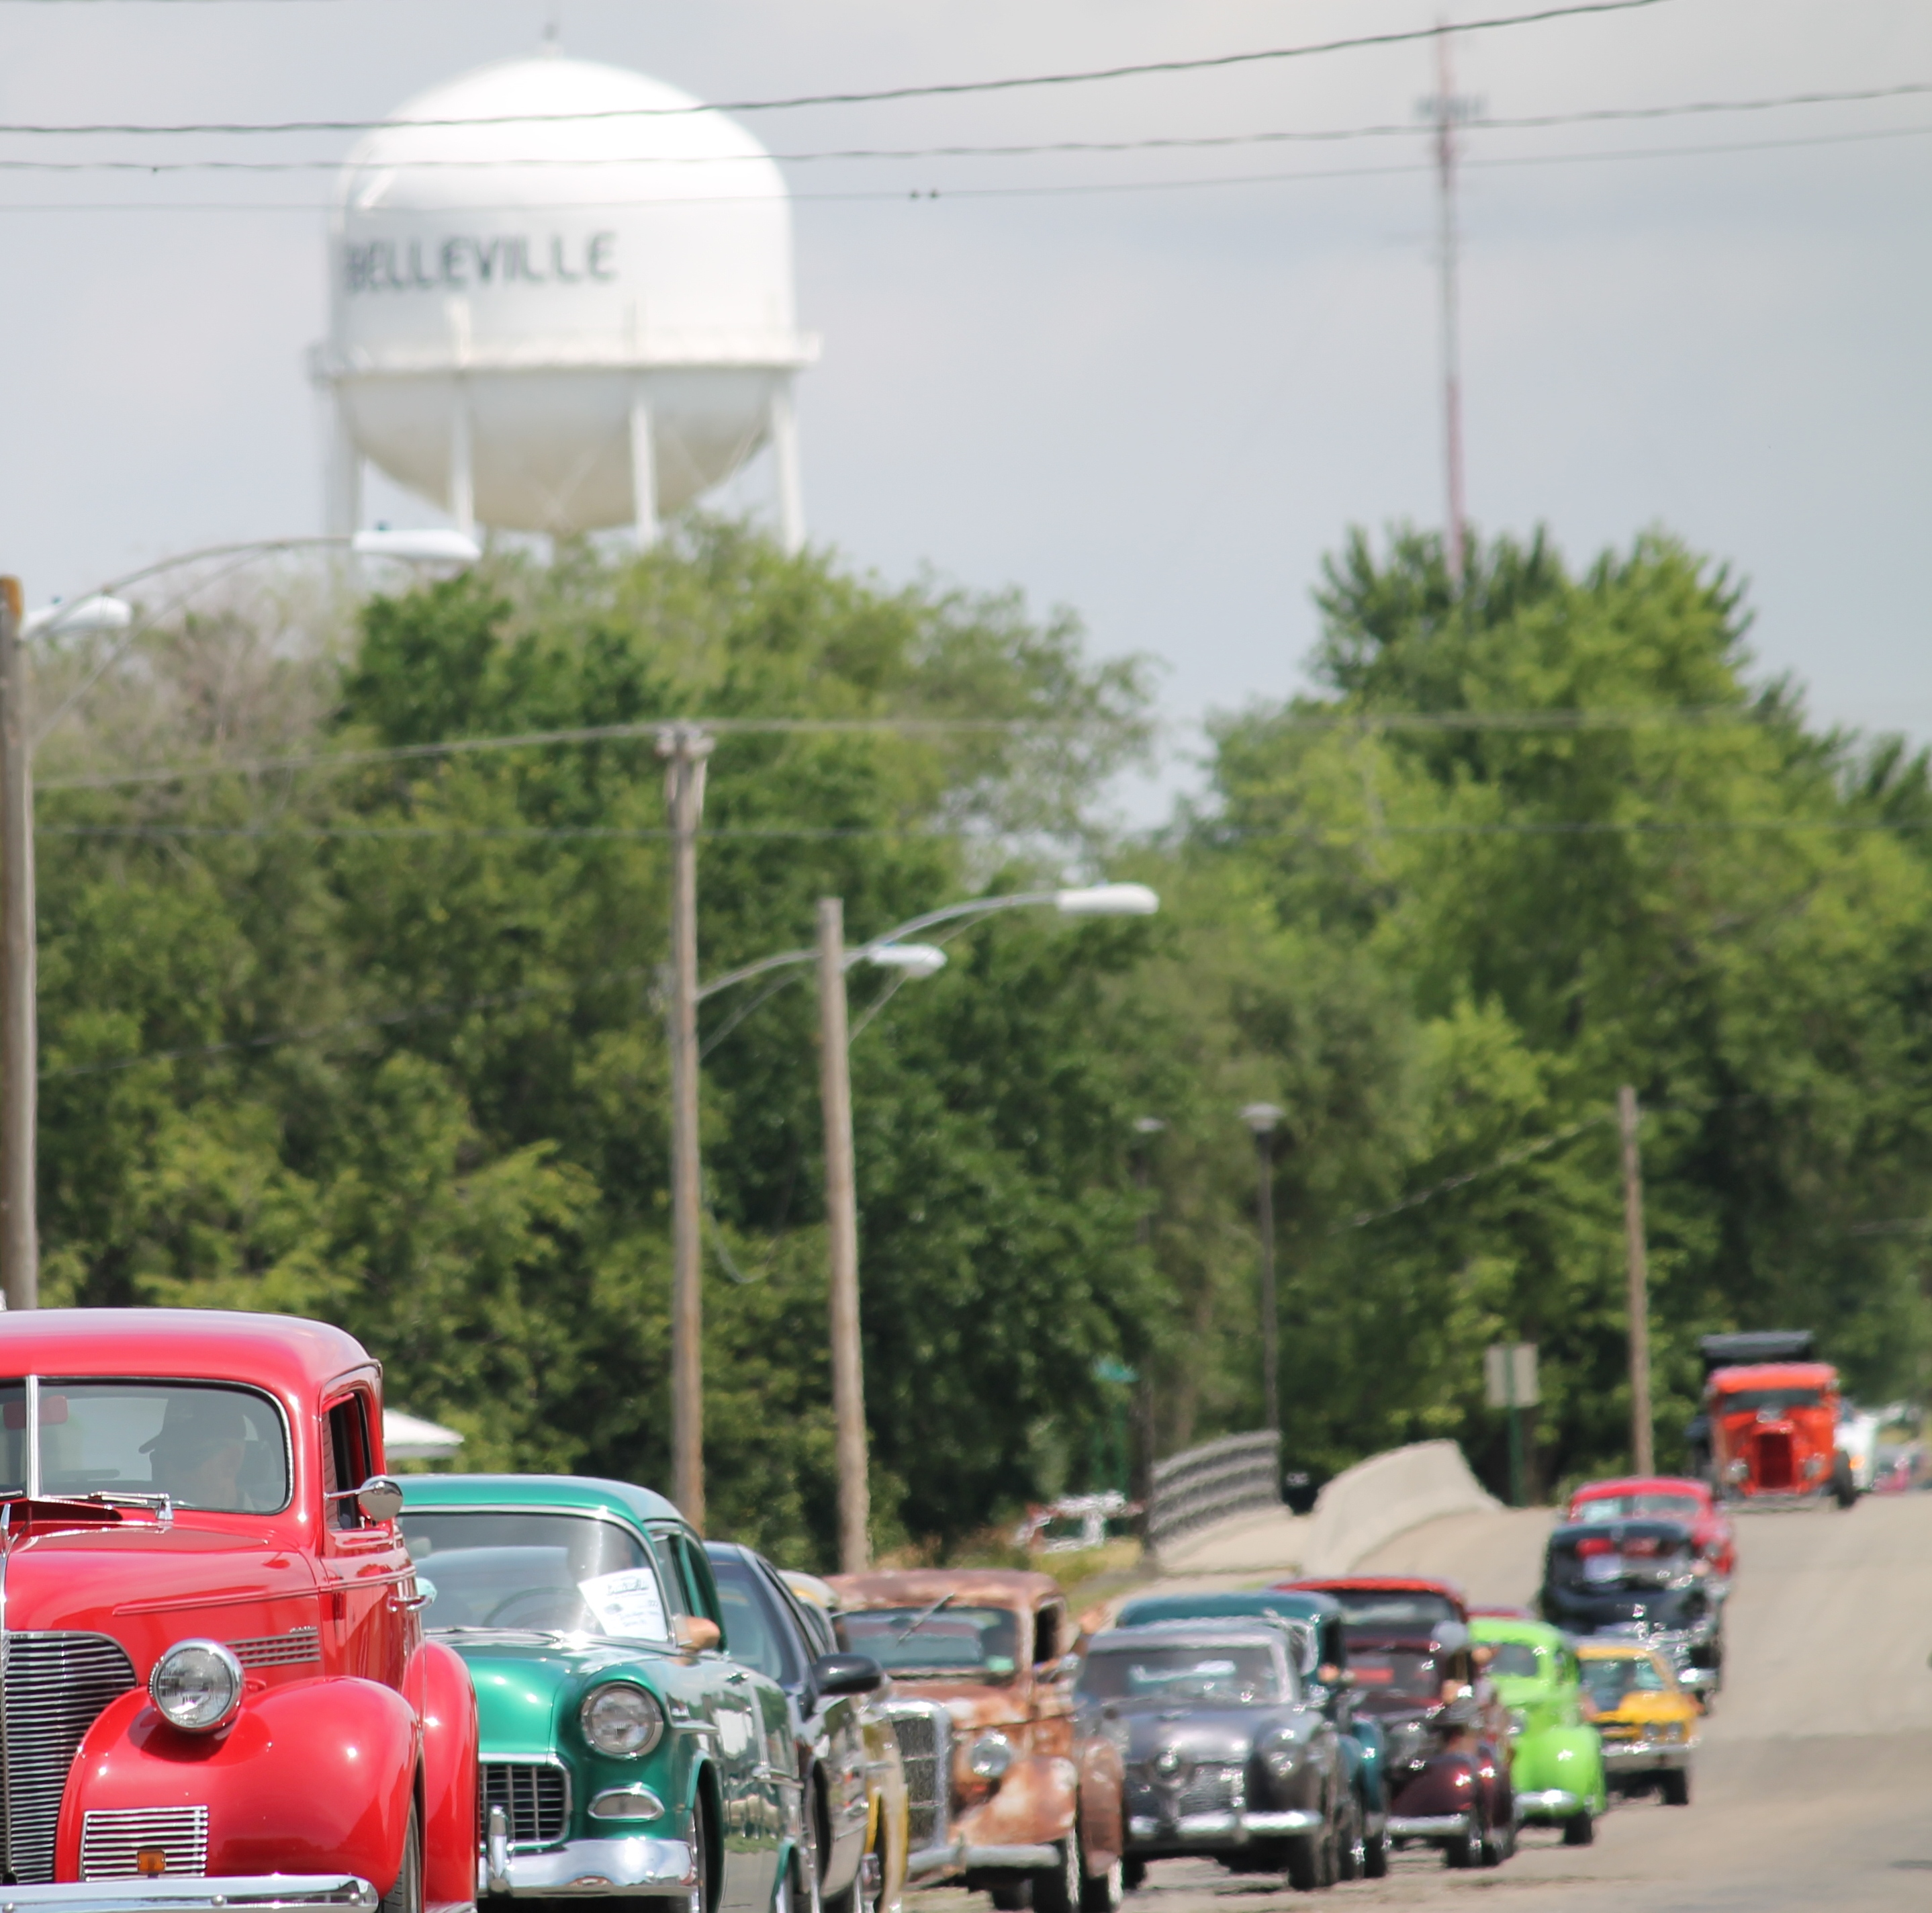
x=1427 y=1826
x=1548 y=1803
x=1007 y=1859
x=588 y=1868
x=1228 y=1827
x=1623 y=1756
x=183 y=1893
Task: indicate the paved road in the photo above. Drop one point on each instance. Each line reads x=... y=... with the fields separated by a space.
x=1814 y=1784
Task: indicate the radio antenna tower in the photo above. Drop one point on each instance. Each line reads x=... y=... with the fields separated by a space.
x=1445 y=110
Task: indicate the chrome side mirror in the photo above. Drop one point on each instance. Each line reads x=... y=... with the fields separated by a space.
x=380 y=1497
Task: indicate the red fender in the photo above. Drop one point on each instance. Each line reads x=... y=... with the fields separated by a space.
x=312 y=1777
x=439 y=1687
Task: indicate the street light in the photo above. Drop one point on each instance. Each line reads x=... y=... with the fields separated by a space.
x=834 y=958
x=1262 y=1118
x=100 y=613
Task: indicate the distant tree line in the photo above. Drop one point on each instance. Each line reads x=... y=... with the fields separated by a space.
x=382 y=1043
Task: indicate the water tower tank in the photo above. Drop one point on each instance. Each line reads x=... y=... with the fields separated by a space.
x=561 y=300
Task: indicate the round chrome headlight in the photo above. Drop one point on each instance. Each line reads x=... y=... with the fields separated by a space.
x=992 y=1754
x=619 y=1719
x=1283 y=1757
x=196 y=1685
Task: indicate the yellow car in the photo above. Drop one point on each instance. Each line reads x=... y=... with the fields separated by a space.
x=888 y=1827
x=1648 y=1722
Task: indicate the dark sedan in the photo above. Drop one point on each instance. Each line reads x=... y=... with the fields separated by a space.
x=1644 y=1580
x=1228 y=1758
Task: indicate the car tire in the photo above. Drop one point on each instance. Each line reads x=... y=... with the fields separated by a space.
x=1580 y=1828
x=1104 y=1892
x=699 y=1900
x=1351 y=1844
x=1465 y=1849
x=809 y=1897
x=1673 y=1786
x=1133 y=1875
x=1376 y=1857
x=406 y=1895
x=1011 y=1895
x=1056 y=1889
x=1499 y=1844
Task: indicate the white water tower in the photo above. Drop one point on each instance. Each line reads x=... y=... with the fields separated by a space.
x=561 y=300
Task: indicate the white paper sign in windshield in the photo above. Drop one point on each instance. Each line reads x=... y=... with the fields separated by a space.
x=627 y=1604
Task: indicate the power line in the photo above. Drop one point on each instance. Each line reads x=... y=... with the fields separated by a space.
x=1362 y=1219
x=1316 y=135
x=935 y=90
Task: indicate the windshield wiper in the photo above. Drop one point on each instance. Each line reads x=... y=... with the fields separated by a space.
x=918 y=1621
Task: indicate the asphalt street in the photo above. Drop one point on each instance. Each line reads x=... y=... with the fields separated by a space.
x=1814 y=1785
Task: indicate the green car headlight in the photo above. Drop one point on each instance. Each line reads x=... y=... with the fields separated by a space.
x=621 y=1719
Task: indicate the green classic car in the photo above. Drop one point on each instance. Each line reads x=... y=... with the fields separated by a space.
x=1556 y=1759
x=623 y=1755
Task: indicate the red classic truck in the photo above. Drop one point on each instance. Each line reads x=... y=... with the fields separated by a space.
x=214 y=1685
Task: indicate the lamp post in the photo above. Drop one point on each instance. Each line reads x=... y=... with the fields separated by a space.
x=1261 y=1118
x=101 y=614
x=834 y=958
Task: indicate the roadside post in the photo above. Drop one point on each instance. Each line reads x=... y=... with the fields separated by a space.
x=1510 y=1383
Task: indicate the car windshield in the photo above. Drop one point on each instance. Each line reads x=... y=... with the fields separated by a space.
x=1398 y=1611
x=1637 y=1507
x=1518 y=1658
x=554 y=1573
x=1779 y=1401
x=1609 y=1681
x=950 y=1642
x=1640 y=1560
x=1395 y=1676
x=1238 y=1676
x=201 y=1444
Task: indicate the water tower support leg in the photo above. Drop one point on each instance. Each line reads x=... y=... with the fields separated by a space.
x=644 y=473
x=462 y=469
x=784 y=430
x=343 y=504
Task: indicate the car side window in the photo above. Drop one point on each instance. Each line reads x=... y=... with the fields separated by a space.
x=1049 y=1633
x=345 y=1460
x=694 y=1581
x=812 y=1632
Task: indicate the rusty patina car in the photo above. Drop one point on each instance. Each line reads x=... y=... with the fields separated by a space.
x=1015 y=1788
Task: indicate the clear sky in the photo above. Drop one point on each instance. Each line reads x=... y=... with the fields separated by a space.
x=1158 y=406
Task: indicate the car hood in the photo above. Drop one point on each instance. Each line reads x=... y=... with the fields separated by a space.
x=970 y=1705
x=148 y=1586
x=1661 y=1607
x=1208 y=1735
x=525 y=1682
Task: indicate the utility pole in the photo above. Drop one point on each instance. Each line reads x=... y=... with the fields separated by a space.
x=1147 y=1127
x=19 y=1059
x=1261 y=1118
x=1641 y=1456
x=841 y=1234
x=1445 y=108
x=685 y=748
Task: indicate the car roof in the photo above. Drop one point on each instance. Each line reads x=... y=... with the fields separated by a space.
x=284 y=1353
x=1006 y=1587
x=1185 y=1633
x=1643 y=1484
x=1374 y=1583
x=586 y=1493
x=1775 y=1374
x=1301 y=1604
x=1536 y=1633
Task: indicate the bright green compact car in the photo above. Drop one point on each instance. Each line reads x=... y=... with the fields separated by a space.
x=623 y=1755
x=1556 y=1759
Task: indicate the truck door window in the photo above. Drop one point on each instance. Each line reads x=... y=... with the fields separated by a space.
x=345 y=1460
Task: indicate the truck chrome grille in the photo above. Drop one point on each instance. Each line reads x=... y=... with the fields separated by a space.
x=56 y=1685
x=112 y=1841
x=535 y=1797
x=925 y=1747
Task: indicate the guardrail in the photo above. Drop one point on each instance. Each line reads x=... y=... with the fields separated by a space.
x=1209 y=1483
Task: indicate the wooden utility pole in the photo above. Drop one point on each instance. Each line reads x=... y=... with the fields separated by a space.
x=685 y=748
x=841 y=1233
x=19 y=1042
x=1643 y=1459
x=1261 y=1118
x=1447 y=109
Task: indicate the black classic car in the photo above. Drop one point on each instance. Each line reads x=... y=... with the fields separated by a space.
x=1228 y=1756
x=1639 y=1580
x=770 y=1631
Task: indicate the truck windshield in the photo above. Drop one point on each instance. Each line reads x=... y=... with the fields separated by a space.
x=1779 y=1401
x=1238 y=1676
x=199 y=1444
x=551 y=1573
x=948 y=1643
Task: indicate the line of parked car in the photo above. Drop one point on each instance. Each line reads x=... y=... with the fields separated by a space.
x=240 y=1667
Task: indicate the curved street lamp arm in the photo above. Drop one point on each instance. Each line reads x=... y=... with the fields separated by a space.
x=250 y=547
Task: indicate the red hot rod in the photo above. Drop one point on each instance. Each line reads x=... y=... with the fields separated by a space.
x=1773 y=1434
x=211 y=1663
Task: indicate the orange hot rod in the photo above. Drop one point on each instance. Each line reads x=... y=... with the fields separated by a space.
x=1773 y=1434
x=1013 y=1785
x=214 y=1684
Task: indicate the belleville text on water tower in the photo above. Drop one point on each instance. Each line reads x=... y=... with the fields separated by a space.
x=561 y=301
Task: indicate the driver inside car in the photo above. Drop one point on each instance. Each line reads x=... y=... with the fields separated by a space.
x=197 y=1458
